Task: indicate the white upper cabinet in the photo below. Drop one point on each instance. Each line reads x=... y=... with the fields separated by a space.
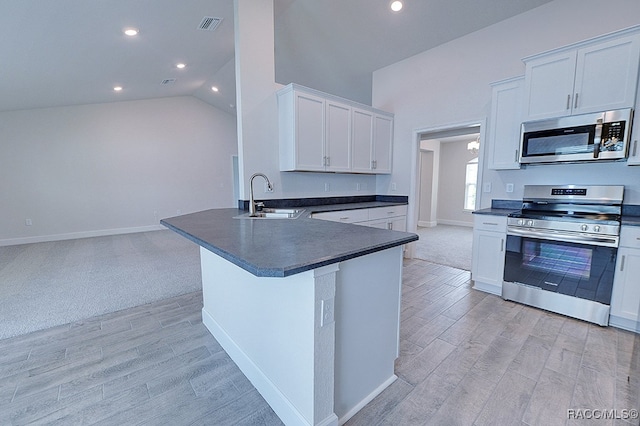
x=506 y=117
x=597 y=75
x=382 y=143
x=362 y=140
x=634 y=144
x=323 y=133
x=338 y=137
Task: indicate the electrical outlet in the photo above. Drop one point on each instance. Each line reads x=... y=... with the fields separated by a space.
x=327 y=187
x=358 y=186
x=28 y=222
x=394 y=187
x=326 y=312
x=509 y=187
x=486 y=187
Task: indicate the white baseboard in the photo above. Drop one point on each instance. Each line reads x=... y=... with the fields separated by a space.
x=427 y=223
x=624 y=323
x=367 y=400
x=454 y=222
x=76 y=235
x=488 y=288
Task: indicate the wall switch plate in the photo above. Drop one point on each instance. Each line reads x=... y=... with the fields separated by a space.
x=28 y=222
x=509 y=187
x=326 y=312
x=394 y=187
x=358 y=186
x=486 y=187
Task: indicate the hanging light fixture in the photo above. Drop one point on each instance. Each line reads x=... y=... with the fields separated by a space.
x=474 y=146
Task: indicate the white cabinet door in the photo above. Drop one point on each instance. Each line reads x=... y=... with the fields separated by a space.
x=606 y=75
x=549 y=85
x=382 y=143
x=506 y=117
x=361 y=141
x=487 y=260
x=487 y=268
x=309 y=132
x=625 y=299
x=338 y=137
x=634 y=148
x=595 y=76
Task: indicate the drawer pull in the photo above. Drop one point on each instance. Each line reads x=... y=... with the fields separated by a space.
x=622 y=263
x=344 y=218
x=490 y=223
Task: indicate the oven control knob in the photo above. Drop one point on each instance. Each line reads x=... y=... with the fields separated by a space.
x=596 y=228
x=584 y=227
x=529 y=222
x=520 y=222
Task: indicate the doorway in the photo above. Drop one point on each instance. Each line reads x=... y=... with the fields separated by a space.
x=446 y=186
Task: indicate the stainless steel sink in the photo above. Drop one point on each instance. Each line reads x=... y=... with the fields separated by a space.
x=268 y=213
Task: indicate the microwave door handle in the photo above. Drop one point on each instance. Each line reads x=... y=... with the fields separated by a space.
x=597 y=138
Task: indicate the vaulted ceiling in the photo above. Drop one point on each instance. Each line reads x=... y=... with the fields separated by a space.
x=70 y=52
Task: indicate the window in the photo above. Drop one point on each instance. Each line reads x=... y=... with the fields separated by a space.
x=470 y=185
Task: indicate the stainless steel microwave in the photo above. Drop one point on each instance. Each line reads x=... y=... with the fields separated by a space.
x=588 y=137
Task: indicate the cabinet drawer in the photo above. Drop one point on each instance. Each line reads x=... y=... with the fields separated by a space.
x=630 y=236
x=346 y=216
x=385 y=212
x=483 y=222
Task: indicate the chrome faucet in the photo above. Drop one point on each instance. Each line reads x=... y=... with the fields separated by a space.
x=252 y=204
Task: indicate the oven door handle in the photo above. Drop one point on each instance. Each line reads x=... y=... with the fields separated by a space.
x=570 y=237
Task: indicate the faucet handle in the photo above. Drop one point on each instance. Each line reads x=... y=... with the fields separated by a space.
x=259 y=206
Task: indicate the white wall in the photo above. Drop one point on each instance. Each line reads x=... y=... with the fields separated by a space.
x=258 y=115
x=110 y=168
x=454 y=157
x=450 y=84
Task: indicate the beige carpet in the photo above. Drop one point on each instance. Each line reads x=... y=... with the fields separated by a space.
x=446 y=245
x=47 y=284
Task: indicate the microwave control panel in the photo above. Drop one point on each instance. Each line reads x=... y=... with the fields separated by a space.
x=612 y=136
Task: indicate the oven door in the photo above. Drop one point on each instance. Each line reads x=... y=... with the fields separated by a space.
x=573 y=269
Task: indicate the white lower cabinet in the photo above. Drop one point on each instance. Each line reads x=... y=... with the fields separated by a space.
x=392 y=217
x=487 y=261
x=625 y=299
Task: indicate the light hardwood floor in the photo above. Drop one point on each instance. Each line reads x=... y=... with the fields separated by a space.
x=467 y=358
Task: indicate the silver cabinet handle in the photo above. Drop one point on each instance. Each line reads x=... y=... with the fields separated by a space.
x=490 y=223
x=568 y=101
x=501 y=245
x=516 y=159
x=390 y=225
x=635 y=147
x=622 y=263
x=575 y=102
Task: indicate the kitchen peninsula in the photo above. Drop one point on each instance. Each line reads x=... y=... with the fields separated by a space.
x=308 y=309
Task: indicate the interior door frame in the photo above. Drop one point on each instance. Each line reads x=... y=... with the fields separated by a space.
x=414 y=191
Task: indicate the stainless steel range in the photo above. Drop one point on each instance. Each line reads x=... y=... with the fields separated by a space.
x=561 y=249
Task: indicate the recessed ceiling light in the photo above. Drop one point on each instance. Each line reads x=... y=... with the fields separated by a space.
x=180 y=65
x=117 y=88
x=214 y=88
x=396 y=6
x=131 y=32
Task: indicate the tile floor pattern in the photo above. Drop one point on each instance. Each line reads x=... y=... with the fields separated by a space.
x=467 y=358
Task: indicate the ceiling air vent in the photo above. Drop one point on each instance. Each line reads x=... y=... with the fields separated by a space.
x=168 y=81
x=209 y=23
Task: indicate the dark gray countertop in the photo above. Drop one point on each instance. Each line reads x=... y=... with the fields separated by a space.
x=283 y=247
